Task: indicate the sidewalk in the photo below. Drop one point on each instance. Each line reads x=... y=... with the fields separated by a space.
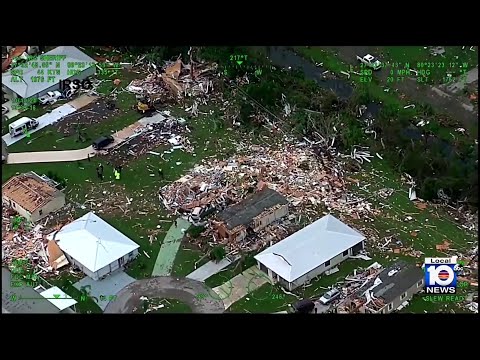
x=50 y=156
x=168 y=250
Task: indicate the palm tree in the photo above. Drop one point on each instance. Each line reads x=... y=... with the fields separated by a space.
x=85 y=292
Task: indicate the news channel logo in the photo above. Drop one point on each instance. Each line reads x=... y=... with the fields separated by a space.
x=441 y=275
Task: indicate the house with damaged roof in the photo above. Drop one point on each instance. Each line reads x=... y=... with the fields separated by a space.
x=251 y=215
x=389 y=291
x=310 y=252
x=32 y=196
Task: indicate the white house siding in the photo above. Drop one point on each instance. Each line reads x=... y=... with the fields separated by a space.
x=21 y=211
x=313 y=273
x=55 y=204
x=80 y=76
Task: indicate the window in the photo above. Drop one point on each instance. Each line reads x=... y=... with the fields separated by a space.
x=390 y=307
x=403 y=296
x=420 y=283
x=345 y=253
x=327 y=263
x=40 y=212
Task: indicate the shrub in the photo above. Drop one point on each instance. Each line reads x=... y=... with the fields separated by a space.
x=218 y=253
x=195 y=231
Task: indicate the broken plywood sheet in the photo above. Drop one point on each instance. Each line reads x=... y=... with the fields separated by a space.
x=174 y=70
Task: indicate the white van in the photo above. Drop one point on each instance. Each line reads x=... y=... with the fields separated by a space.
x=21 y=126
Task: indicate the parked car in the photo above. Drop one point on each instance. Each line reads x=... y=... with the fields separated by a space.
x=50 y=97
x=329 y=296
x=102 y=142
x=370 y=61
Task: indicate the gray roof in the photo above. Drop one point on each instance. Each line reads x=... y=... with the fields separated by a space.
x=40 y=306
x=309 y=248
x=27 y=88
x=243 y=212
x=394 y=286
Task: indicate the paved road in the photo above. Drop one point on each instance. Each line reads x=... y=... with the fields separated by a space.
x=166 y=287
x=452 y=105
x=49 y=156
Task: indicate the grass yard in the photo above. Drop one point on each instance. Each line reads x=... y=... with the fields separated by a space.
x=136 y=184
x=271 y=298
x=65 y=282
x=432 y=226
x=185 y=260
x=451 y=62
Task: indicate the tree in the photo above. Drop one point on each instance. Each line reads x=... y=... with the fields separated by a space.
x=218 y=253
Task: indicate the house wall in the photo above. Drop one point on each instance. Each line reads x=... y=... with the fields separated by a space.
x=322 y=268
x=269 y=216
x=20 y=210
x=79 y=265
x=83 y=75
x=99 y=274
x=397 y=301
x=55 y=204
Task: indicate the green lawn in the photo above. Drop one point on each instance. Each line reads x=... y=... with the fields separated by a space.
x=137 y=184
x=270 y=298
x=65 y=282
x=432 y=226
x=451 y=62
x=185 y=260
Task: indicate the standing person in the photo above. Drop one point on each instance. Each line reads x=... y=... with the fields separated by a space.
x=176 y=223
x=160 y=173
x=88 y=157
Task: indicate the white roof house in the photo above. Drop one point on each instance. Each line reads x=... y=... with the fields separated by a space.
x=93 y=242
x=309 y=248
x=58 y=298
x=27 y=88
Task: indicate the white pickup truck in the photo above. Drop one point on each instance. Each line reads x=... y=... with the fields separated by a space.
x=370 y=61
x=50 y=97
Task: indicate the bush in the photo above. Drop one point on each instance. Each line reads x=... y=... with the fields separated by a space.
x=195 y=231
x=248 y=262
x=218 y=253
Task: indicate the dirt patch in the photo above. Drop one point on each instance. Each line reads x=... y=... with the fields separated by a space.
x=111 y=199
x=93 y=113
x=154 y=136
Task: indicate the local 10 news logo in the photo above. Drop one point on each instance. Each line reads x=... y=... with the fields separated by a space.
x=441 y=275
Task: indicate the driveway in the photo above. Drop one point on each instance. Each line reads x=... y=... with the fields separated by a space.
x=103 y=290
x=43 y=121
x=166 y=287
x=241 y=285
x=50 y=156
x=168 y=251
x=211 y=268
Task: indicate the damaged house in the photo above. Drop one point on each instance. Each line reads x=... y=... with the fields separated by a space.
x=94 y=246
x=310 y=252
x=251 y=215
x=392 y=288
x=32 y=196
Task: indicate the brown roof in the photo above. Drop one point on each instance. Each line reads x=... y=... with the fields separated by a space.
x=28 y=191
